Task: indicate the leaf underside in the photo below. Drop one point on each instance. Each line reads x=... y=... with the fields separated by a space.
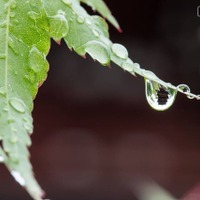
x=26 y=27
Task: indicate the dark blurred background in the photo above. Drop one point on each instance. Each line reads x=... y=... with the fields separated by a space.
x=94 y=132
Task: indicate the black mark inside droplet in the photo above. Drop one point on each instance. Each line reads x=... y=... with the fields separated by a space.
x=162 y=96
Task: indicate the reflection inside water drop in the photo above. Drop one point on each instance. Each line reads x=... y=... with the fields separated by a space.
x=159 y=97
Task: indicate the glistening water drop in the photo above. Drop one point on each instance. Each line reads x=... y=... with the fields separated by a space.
x=159 y=97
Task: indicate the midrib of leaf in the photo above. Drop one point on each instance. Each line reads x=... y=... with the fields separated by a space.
x=7 y=55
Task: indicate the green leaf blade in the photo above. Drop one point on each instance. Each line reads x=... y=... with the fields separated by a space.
x=23 y=68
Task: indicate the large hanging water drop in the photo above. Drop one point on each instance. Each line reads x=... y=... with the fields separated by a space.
x=159 y=97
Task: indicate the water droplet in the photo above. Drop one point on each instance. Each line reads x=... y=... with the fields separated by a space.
x=184 y=88
x=36 y=59
x=17 y=104
x=67 y=2
x=33 y=15
x=159 y=97
x=13 y=5
x=120 y=51
x=14 y=139
x=128 y=65
x=88 y=21
x=58 y=26
x=18 y=177
x=5 y=109
x=2 y=91
x=11 y=120
x=16 y=21
x=28 y=127
x=12 y=45
x=80 y=19
x=98 y=51
x=2 y=55
x=12 y=14
x=96 y=32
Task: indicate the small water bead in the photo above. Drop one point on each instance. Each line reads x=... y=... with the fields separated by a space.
x=17 y=104
x=184 y=88
x=18 y=177
x=59 y=26
x=80 y=19
x=96 y=32
x=28 y=127
x=33 y=15
x=14 y=139
x=88 y=21
x=159 y=97
x=2 y=55
x=2 y=91
x=67 y=2
x=120 y=51
x=128 y=65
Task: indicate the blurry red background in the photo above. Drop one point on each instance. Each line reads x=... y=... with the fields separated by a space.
x=94 y=131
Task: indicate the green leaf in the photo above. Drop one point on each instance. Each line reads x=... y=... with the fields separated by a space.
x=26 y=27
x=24 y=42
x=101 y=7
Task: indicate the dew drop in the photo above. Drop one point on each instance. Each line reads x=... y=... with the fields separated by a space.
x=2 y=91
x=14 y=139
x=184 y=88
x=28 y=127
x=33 y=15
x=80 y=19
x=2 y=55
x=67 y=2
x=12 y=14
x=159 y=97
x=18 y=177
x=98 y=51
x=36 y=59
x=17 y=104
x=11 y=120
x=59 y=26
x=88 y=21
x=128 y=65
x=120 y=51
x=12 y=45
x=96 y=32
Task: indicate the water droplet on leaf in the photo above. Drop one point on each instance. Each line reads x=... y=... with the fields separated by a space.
x=80 y=19
x=67 y=2
x=88 y=21
x=18 y=177
x=13 y=139
x=120 y=51
x=184 y=88
x=2 y=55
x=58 y=26
x=17 y=104
x=96 y=32
x=33 y=15
x=98 y=51
x=159 y=97
x=2 y=91
x=128 y=65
